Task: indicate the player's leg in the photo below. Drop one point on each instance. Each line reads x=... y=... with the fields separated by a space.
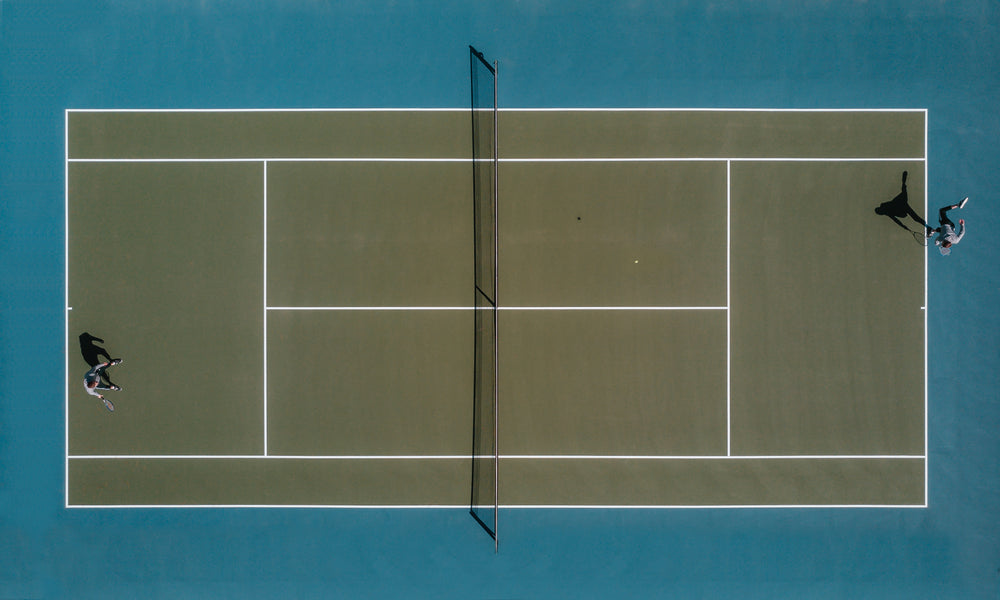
x=101 y=371
x=943 y=214
x=107 y=381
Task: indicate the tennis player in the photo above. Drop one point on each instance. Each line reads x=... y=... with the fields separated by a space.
x=92 y=382
x=900 y=207
x=92 y=353
x=947 y=236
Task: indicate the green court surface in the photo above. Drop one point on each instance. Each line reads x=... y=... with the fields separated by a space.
x=696 y=308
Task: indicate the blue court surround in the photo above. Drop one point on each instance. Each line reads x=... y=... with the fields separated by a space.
x=774 y=54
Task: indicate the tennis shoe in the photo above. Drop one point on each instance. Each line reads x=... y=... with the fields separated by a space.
x=116 y=361
x=115 y=388
x=962 y=203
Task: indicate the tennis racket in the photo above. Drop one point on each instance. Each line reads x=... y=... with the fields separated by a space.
x=919 y=237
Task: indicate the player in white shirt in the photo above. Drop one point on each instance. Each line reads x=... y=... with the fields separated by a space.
x=947 y=235
x=92 y=382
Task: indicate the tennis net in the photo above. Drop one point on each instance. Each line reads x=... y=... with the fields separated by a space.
x=485 y=500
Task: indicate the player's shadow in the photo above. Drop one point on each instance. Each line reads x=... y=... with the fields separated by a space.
x=92 y=354
x=900 y=207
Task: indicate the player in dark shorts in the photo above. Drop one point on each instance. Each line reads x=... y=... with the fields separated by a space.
x=92 y=382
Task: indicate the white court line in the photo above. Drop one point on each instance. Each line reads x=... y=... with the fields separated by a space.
x=271 y=457
x=501 y=110
x=582 y=457
x=245 y=159
x=740 y=109
x=263 y=110
x=288 y=506
x=68 y=308
x=926 y=377
x=502 y=506
x=729 y=303
x=376 y=159
x=702 y=506
x=706 y=159
x=612 y=308
x=265 y=308
x=307 y=308
x=466 y=109
x=504 y=308
x=714 y=457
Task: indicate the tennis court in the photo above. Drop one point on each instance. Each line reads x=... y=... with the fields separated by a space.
x=292 y=292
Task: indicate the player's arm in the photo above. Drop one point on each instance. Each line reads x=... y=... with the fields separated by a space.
x=93 y=391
